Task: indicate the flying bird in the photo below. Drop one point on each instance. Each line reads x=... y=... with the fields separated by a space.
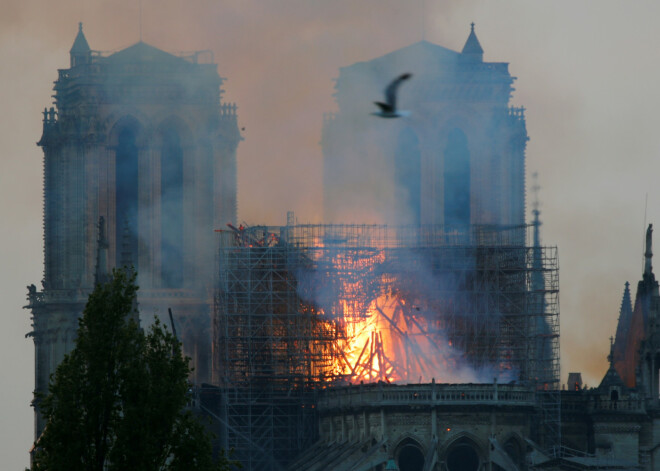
x=388 y=109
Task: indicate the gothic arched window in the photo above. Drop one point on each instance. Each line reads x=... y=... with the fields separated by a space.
x=407 y=171
x=457 y=180
x=171 y=200
x=126 y=195
x=462 y=455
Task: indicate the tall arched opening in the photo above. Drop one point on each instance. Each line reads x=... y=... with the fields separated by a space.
x=457 y=180
x=408 y=175
x=126 y=192
x=409 y=456
x=462 y=455
x=171 y=206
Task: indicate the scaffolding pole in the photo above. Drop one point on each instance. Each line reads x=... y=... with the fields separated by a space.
x=299 y=308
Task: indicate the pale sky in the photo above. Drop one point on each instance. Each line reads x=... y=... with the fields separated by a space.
x=587 y=74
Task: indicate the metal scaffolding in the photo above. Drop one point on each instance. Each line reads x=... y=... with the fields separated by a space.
x=302 y=307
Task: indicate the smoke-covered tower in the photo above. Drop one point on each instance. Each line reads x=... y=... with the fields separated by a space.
x=458 y=159
x=139 y=138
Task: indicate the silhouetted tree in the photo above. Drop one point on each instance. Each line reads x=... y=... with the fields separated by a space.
x=117 y=401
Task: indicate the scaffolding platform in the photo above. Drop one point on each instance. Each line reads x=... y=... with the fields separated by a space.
x=300 y=308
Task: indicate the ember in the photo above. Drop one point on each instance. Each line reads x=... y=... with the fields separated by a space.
x=391 y=344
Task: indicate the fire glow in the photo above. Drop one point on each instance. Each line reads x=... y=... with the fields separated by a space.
x=392 y=341
x=347 y=304
x=395 y=321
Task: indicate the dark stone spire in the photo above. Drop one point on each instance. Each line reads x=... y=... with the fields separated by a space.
x=626 y=302
x=543 y=331
x=625 y=312
x=127 y=264
x=126 y=259
x=611 y=378
x=647 y=288
x=623 y=326
x=536 y=223
x=80 y=51
x=648 y=253
x=642 y=328
x=538 y=281
x=101 y=273
x=472 y=47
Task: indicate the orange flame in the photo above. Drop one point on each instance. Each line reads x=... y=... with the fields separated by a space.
x=389 y=343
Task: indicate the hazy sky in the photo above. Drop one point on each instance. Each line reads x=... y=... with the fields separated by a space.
x=587 y=74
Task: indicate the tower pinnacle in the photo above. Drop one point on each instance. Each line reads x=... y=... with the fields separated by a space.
x=80 y=52
x=101 y=274
x=472 y=48
x=536 y=212
x=648 y=253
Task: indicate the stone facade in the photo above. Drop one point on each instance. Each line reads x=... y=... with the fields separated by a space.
x=419 y=427
x=141 y=139
x=457 y=159
x=616 y=424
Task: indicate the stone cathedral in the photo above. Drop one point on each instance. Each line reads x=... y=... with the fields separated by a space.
x=457 y=160
x=139 y=169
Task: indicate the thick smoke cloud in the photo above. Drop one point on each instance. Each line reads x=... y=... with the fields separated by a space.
x=585 y=72
x=415 y=309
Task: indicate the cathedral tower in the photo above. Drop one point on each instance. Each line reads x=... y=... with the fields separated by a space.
x=636 y=350
x=458 y=159
x=141 y=139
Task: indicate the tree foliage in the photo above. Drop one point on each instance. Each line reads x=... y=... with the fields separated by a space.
x=117 y=401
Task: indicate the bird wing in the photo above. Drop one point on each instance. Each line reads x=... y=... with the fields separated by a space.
x=390 y=91
x=384 y=107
